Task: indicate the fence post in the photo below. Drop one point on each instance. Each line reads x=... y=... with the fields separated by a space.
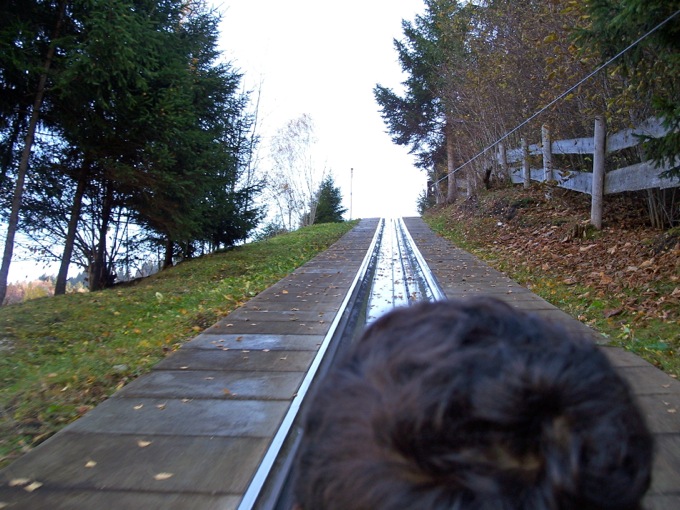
x=503 y=160
x=597 y=190
x=547 y=153
x=526 y=173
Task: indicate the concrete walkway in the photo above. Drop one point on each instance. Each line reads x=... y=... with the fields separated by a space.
x=190 y=434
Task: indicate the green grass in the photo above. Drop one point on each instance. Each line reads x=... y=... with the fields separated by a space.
x=60 y=356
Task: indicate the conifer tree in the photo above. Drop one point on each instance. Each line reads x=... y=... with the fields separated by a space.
x=329 y=203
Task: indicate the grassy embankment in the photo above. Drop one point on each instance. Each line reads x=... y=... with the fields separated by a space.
x=60 y=356
x=623 y=281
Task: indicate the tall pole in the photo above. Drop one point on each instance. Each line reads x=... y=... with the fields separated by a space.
x=351 y=183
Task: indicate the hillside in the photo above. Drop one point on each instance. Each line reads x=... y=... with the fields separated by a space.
x=61 y=356
x=623 y=280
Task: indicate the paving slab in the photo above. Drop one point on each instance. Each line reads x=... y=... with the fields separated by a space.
x=186 y=416
x=207 y=384
x=281 y=327
x=238 y=360
x=94 y=499
x=213 y=341
x=91 y=461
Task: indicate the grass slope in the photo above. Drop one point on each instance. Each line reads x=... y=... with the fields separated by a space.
x=623 y=281
x=61 y=356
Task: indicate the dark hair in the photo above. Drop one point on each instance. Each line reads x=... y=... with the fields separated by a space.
x=472 y=405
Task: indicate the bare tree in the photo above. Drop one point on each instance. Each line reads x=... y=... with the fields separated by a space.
x=295 y=175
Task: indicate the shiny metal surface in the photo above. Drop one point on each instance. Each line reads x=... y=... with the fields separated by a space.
x=401 y=276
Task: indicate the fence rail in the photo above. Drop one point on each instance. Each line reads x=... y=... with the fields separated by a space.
x=640 y=176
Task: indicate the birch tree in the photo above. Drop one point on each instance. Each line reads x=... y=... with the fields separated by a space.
x=296 y=174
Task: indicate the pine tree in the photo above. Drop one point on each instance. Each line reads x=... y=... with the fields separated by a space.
x=329 y=203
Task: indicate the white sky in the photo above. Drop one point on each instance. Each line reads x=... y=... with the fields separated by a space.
x=324 y=59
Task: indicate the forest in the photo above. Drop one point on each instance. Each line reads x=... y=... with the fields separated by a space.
x=122 y=132
x=482 y=72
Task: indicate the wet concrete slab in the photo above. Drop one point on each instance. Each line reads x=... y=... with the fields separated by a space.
x=270 y=303
x=207 y=384
x=277 y=316
x=667 y=465
x=89 y=499
x=239 y=360
x=185 y=416
x=281 y=327
x=213 y=341
x=134 y=462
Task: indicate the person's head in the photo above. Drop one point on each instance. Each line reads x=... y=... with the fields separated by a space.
x=472 y=405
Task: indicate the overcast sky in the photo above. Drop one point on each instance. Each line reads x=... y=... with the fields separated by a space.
x=324 y=59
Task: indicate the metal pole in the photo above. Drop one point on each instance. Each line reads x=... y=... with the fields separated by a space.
x=351 y=183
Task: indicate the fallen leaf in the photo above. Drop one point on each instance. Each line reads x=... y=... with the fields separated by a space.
x=161 y=406
x=163 y=476
x=143 y=444
x=90 y=464
x=612 y=313
x=19 y=481
x=33 y=486
x=138 y=407
x=284 y=292
x=647 y=263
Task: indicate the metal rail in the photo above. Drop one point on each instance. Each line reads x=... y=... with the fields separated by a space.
x=401 y=275
x=393 y=273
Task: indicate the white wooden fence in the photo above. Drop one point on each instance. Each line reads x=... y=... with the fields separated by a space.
x=596 y=183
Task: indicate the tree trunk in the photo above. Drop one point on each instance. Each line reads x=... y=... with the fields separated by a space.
x=13 y=220
x=100 y=273
x=60 y=285
x=167 y=261
x=12 y=139
x=452 y=190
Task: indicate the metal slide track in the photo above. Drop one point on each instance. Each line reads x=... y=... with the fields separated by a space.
x=393 y=274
